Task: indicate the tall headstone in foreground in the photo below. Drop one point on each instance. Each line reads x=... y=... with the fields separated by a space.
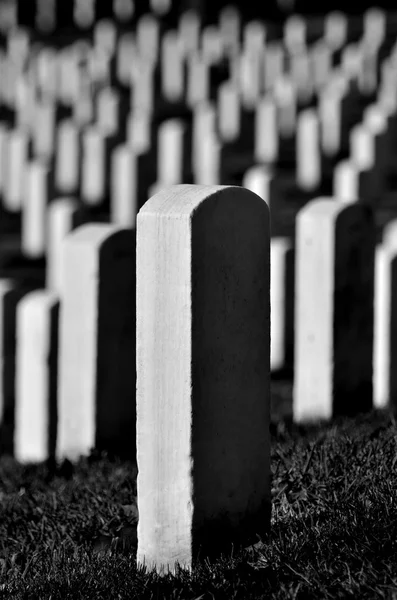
x=203 y=373
x=334 y=309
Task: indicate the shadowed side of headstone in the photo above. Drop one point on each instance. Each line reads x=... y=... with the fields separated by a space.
x=203 y=373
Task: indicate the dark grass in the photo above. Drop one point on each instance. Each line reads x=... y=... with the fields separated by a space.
x=70 y=532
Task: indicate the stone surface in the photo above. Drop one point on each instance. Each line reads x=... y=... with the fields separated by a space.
x=203 y=373
x=385 y=330
x=97 y=342
x=124 y=187
x=60 y=221
x=34 y=209
x=36 y=377
x=281 y=294
x=334 y=296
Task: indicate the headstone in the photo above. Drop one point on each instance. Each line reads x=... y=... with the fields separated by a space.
x=250 y=78
x=211 y=45
x=229 y=28
x=329 y=113
x=172 y=67
x=334 y=296
x=123 y=10
x=189 y=32
x=302 y=76
x=205 y=146
x=346 y=182
x=308 y=158
x=160 y=7
x=36 y=377
x=3 y=156
x=266 y=131
x=10 y=295
x=385 y=330
x=6 y=334
x=124 y=187
x=34 y=209
x=286 y=102
x=335 y=29
x=203 y=362
x=147 y=37
x=254 y=36
x=138 y=131
x=257 y=180
x=93 y=166
x=108 y=107
x=197 y=81
x=17 y=156
x=105 y=36
x=59 y=221
x=280 y=292
x=67 y=158
x=170 y=152
x=362 y=147
x=97 y=378
x=229 y=111
x=126 y=54
x=273 y=64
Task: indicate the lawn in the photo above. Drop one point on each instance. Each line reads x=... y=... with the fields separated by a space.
x=69 y=532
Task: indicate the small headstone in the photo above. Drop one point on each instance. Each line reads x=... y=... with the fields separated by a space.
x=34 y=209
x=108 y=107
x=229 y=112
x=385 y=327
x=346 y=182
x=17 y=156
x=170 y=152
x=362 y=147
x=67 y=158
x=139 y=131
x=266 y=131
x=286 y=102
x=197 y=81
x=93 y=166
x=124 y=187
x=279 y=249
x=105 y=36
x=308 y=157
x=172 y=67
x=257 y=180
x=59 y=221
x=36 y=377
x=147 y=37
x=335 y=29
x=189 y=32
x=97 y=378
x=205 y=146
x=334 y=296
x=329 y=112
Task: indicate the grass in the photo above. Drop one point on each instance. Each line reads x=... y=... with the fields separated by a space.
x=69 y=532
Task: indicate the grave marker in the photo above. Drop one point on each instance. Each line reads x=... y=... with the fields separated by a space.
x=334 y=298
x=97 y=379
x=203 y=352
x=36 y=377
x=385 y=330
